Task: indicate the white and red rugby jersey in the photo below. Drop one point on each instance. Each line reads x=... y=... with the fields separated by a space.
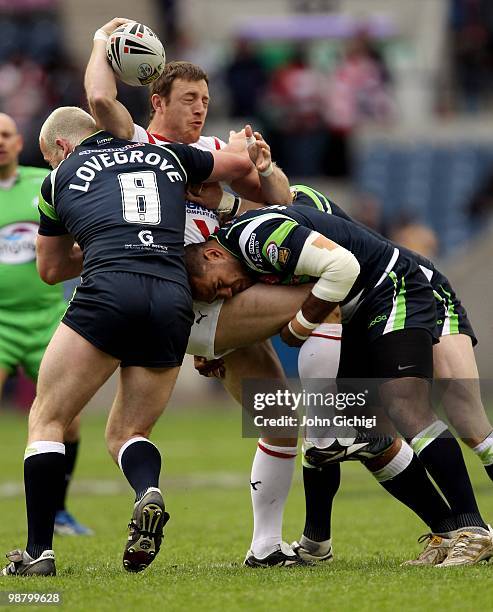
x=200 y=221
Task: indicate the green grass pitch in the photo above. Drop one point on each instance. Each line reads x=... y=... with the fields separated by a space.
x=205 y=479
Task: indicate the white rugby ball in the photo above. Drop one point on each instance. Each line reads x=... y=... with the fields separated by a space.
x=136 y=54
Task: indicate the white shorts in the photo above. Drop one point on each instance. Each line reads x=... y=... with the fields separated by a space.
x=203 y=333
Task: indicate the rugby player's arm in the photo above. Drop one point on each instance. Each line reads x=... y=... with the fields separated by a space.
x=208 y=166
x=336 y=269
x=58 y=258
x=101 y=91
x=228 y=166
x=266 y=183
x=273 y=189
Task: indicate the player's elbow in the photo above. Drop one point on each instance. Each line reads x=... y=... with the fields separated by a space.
x=338 y=277
x=48 y=273
x=352 y=268
x=49 y=277
x=100 y=102
x=104 y=109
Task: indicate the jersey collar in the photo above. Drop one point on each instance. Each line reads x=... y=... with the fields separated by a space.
x=96 y=138
x=161 y=138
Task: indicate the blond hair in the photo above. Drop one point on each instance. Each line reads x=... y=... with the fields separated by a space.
x=68 y=122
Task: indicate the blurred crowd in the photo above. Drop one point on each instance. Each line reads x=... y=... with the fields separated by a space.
x=309 y=113
x=471 y=42
x=37 y=77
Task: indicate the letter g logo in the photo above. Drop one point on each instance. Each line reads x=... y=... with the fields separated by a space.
x=146 y=237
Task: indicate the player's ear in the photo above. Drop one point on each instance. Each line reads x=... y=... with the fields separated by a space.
x=214 y=254
x=157 y=102
x=65 y=146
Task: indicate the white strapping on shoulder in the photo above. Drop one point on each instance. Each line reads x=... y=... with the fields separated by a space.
x=337 y=269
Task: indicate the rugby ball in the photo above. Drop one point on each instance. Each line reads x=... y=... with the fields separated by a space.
x=136 y=54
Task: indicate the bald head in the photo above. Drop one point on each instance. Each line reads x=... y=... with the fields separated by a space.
x=62 y=131
x=10 y=146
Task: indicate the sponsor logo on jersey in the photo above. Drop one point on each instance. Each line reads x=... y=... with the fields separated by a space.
x=272 y=253
x=251 y=243
x=146 y=237
x=18 y=242
x=377 y=319
x=201 y=316
x=284 y=254
x=104 y=140
x=147 y=243
x=132 y=145
x=196 y=209
x=254 y=249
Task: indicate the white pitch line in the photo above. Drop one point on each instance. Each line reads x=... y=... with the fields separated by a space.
x=221 y=480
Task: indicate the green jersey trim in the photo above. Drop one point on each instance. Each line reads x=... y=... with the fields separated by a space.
x=320 y=201
x=47 y=209
x=397 y=316
x=277 y=238
x=248 y=231
x=451 y=323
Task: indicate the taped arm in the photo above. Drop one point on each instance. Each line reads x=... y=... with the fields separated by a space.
x=273 y=189
x=336 y=269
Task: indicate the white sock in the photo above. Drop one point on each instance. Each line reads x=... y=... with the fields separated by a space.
x=319 y=355
x=484 y=450
x=270 y=481
x=319 y=358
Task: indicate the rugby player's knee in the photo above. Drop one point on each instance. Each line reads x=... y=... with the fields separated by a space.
x=117 y=435
x=44 y=423
x=407 y=402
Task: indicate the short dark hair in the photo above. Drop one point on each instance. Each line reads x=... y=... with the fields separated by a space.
x=172 y=71
x=195 y=262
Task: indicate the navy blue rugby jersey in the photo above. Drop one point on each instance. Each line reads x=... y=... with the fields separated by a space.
x=123 y=202
x=270 y=240
x=304 y=195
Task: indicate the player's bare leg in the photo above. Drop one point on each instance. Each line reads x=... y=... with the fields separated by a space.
x=72 y=370
x=454 y=360
x=140 y=400
x=257 y=314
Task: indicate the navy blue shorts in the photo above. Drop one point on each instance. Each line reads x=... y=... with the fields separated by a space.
x=139 y=319
x=451 y=315
x=392 y=331
x=403 y=299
